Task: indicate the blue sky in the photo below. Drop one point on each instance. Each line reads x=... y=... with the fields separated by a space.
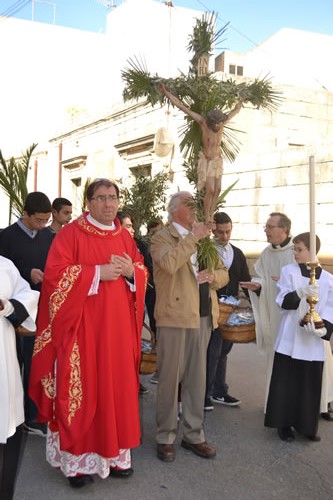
x=251 y=21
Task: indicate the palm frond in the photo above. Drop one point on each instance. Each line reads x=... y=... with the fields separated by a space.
x=261 y=94
x=145 y=199
x=13 y=180
x=83 y=196
x=208 y=257
x=140 y=83
x=204 y=36
x=223 y=195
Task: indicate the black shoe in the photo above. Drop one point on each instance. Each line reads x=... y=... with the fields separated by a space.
x=226 y=400
x=35 y=428
x=80 y=481
x=122 y=473
x=154 y=378
x=315 y=438
x=208 y=404
x=327 y=415
x=286 y=434
x=143 y=389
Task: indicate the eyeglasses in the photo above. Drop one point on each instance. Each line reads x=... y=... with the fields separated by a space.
x=268 y=226
x=102 y=198
x=41 y=221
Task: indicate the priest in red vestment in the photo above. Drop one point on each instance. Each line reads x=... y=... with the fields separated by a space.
x=85 y=369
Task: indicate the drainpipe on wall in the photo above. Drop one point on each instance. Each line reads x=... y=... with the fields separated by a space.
x=59 y=169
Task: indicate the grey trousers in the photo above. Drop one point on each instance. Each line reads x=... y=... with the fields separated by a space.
x=181 y=358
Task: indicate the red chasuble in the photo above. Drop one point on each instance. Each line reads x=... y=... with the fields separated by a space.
x=85 y=368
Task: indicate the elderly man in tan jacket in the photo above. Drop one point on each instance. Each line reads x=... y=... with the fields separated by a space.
x=184 y=318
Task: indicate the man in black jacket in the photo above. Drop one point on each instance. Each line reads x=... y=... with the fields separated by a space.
x=218 y=348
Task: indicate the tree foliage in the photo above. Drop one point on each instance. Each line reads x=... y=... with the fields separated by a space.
x=83 y=197
x=145 y=199
x=13 y=180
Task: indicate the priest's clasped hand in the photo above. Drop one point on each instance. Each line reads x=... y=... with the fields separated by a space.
x=125 y=263
x=308 y=291
x=311 y=329
x=110 y=272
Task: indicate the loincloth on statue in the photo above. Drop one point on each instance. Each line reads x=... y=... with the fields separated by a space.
x=208 y=168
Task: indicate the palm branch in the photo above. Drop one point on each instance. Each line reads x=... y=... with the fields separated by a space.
x=145 y=199
x=83 y=196
x=204 y=37
x=140 y=83
x=13 y=180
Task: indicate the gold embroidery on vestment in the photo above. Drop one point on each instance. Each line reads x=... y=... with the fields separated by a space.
x=94 y=230
x=56 y=300
x=75 y=384
x=48 y=384
x=141 y=266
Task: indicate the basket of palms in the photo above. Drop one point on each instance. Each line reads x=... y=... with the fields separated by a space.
x=240 y=326
x=226 y=306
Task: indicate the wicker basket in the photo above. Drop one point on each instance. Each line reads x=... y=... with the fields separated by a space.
x=149 y=359
x=224 y=312
x=148 y=363
x=240 y=334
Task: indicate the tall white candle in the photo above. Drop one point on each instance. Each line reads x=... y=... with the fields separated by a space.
x=312 y=204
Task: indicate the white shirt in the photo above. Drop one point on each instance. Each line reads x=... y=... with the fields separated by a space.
x=226 y=252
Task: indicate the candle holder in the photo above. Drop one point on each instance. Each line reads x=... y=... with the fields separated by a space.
x=312 y=314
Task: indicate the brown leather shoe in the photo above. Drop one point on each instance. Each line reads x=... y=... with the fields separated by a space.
x=203 y=450
x=166 y=452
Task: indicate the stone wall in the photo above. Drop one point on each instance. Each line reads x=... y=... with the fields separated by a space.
x=326 y=261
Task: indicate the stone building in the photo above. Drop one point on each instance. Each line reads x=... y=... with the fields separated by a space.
x=84 y=130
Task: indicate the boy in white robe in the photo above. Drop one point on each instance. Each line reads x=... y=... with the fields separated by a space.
x=296 y=382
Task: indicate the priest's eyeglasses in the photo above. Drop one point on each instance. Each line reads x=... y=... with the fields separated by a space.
x=268 y=226
x=102 y=198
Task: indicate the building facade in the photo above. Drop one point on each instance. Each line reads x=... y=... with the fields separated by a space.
x=96 y=134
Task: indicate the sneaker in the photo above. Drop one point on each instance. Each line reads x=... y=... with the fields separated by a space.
x=143 y=389
x=226 y=400
x=208 y=405
x=154 y=378
x=35 y=428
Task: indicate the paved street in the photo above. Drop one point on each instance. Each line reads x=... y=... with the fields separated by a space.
x=252 y=463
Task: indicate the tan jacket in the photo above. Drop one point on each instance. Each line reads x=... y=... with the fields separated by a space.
x=177 y=290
